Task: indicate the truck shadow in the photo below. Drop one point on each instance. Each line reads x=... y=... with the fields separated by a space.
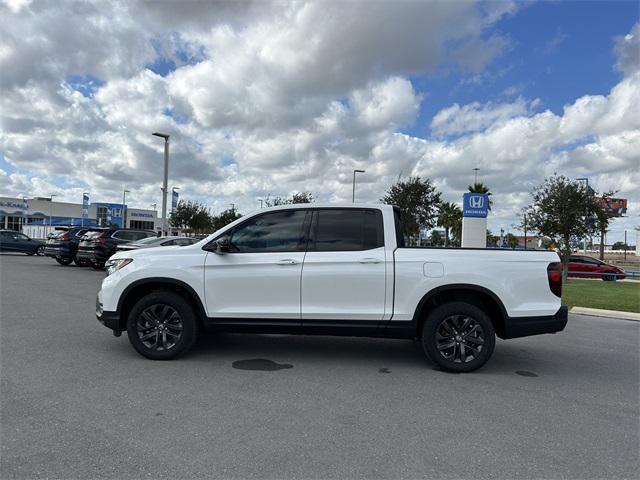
x=385 y=355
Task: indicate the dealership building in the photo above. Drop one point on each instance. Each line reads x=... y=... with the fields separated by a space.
x=16 y=213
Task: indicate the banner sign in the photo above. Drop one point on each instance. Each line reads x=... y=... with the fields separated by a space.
x=85 y=207
x=108 y=216
x=615 y=207
x=475 y=205
x=174 y=200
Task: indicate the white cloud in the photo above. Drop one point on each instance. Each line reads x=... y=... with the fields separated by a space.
x=473 y=117
x=627 y=49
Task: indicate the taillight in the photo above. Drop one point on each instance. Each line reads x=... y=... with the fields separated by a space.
x=99 y=239
x=65 y=237
x=554 y=274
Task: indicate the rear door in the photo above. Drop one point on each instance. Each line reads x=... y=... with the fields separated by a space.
x=344 y=271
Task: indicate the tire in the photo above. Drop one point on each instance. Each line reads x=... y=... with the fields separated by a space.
x=97 y=266
x=80 y=263
x=40 y=251
x=471 y=332
x=63 y=261
x=162 y=312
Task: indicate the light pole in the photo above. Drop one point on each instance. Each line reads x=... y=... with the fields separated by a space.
x=260 y=200
x=353 y=193
x=165 y=179
x=475 y=178
x=51 y=206
x=584 y=243
x=124 y=208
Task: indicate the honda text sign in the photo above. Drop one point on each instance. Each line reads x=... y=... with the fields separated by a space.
x=475 y=205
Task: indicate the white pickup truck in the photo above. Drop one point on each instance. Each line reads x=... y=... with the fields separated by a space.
x=332 y=269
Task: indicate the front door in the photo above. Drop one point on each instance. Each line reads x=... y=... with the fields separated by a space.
x=259 y=278
x=344 y=273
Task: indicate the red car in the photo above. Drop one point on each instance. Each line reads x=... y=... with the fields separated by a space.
x=589 y=267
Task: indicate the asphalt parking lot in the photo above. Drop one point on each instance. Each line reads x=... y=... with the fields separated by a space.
x=77 y=402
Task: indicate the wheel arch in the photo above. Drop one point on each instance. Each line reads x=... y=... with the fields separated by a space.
x=476 y=295
x=140 y=288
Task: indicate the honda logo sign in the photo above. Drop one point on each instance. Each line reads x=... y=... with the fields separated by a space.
x=475 y=205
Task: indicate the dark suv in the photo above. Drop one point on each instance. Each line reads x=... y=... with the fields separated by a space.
x=63 y=245
x=96 y=247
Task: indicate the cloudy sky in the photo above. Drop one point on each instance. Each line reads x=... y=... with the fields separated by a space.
x=272 y=98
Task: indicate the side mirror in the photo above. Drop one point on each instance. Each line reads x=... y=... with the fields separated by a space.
x=222 y=244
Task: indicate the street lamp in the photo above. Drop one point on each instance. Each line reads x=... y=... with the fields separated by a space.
x=475 y=180
x=353 y=194
x=165 y=179
x=584 y=243
x=124 y=208
x=51 y=206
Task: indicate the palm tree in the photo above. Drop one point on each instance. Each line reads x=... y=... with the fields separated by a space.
x=448 y=218
x=480 y=187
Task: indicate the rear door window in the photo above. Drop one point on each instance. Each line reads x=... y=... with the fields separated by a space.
x=347 y=229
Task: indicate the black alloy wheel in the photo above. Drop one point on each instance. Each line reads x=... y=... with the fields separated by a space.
x=159 y=327
x=162 y=325
x=40 y=251
x=458 y=336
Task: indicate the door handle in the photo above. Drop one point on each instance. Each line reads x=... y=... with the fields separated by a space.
x=287 y=261
x=370 y=260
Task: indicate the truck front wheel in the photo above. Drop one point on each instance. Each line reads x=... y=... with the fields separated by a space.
x=458 y=336
x=162 y=326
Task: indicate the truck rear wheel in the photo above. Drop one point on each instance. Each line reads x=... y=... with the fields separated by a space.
x=162 y=326
x=458 y=336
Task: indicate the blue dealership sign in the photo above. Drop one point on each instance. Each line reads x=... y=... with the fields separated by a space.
x=475 y=205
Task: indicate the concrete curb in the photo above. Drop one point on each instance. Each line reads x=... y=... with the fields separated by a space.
x=597 y=312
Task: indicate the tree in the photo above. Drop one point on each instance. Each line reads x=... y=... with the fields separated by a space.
x=601 y=217
x=302 y=197
x=418 y=201
x=511 y=240
x=436 y=239
x=619 y=246
x=448 y=218
x=562 y=210
x=480 y=187
x=492 y=240
x=298 y=197
x=188 y=215
x=224 y=218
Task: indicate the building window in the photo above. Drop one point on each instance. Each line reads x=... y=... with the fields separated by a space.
x=102 y=217
x=15 y=223
x=141 y=225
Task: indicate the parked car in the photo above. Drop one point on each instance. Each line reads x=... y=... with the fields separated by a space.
x=96 y=247
x=157 y=242
x=12 y=241
x=63 y=245
x=588 y=267
x=331 y=270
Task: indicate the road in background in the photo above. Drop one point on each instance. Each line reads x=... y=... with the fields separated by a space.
x=77 y=402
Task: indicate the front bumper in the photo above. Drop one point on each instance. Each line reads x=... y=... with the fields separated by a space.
x=108 y=319
x=526 y=326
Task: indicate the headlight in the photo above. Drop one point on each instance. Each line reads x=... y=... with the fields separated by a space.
x=115 y=265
